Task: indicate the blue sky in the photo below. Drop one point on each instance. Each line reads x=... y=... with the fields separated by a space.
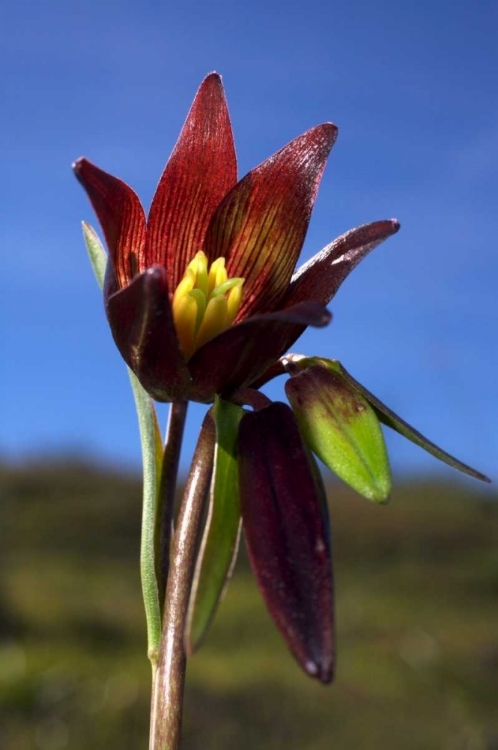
x=412 y=88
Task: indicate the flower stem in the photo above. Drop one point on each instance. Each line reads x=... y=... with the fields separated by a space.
x=166 y=494
x=169 y=676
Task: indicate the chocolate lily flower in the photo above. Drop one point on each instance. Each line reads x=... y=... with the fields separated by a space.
x=202 y=297
x=204 y=302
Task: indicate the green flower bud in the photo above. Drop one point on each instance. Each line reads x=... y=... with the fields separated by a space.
x=340 y=426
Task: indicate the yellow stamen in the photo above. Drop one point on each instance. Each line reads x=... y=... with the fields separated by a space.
x=217 y=274
x=200 y=300
x=233 y=303
x=214 y=320
x=205 y=302
x=184 y=287
x=185 y=315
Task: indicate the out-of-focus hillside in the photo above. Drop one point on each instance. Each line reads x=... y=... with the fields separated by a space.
x=417 y=620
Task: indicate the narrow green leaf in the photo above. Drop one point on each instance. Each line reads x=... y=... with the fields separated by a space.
x=151 y=441
x=342 y=429
x=220 y=541
x=98 y=257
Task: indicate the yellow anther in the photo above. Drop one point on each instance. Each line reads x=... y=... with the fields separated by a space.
x=205 y=302
x=233 y=302
x=202 y=275
x=184 y=287
x=185 y=316
x=200 y=300
x=199 y=267
x=217 y=274
x=215 y=320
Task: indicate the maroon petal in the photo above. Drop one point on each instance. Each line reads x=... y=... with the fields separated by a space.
x=240 y=354
x=121 y=217
x=320 y=278
x=261 y=225
x=142 y=325
x=200 y=171
x=287 y=535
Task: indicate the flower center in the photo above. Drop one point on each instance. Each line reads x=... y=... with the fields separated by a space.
x=205 y=302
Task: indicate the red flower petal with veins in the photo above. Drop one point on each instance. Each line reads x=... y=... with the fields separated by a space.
x=261 y=224
x=258 y=225
x=320 y=278
x=199 y=173
x=121 y=217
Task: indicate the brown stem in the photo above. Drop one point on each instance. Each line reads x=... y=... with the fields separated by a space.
x=169 y=677
x=166 y=497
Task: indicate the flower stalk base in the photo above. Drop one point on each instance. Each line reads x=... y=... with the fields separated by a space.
x=169 y=674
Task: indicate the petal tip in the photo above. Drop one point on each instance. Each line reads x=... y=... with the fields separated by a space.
x=83 y=169
x=78 y=165
x=323 y=136
x=322 y=670
x=330 y=130
x=212 y=79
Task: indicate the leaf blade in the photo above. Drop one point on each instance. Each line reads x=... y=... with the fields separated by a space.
x=151 y=442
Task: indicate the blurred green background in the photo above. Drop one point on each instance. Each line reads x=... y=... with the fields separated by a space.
x=417 y=621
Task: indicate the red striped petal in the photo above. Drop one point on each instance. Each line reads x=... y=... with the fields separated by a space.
x=320 y=278
x=200 y=171
x=121 y=217
x=261 y=225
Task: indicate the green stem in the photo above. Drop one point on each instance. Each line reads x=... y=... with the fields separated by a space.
x=166 y=495
x=169 y=677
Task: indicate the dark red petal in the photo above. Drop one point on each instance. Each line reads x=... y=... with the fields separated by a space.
x=261 y=225
x=320 y=278
x=200 y=171
x=121 y=217
x=142 y=325
x=287 y=535
x=240 y=354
